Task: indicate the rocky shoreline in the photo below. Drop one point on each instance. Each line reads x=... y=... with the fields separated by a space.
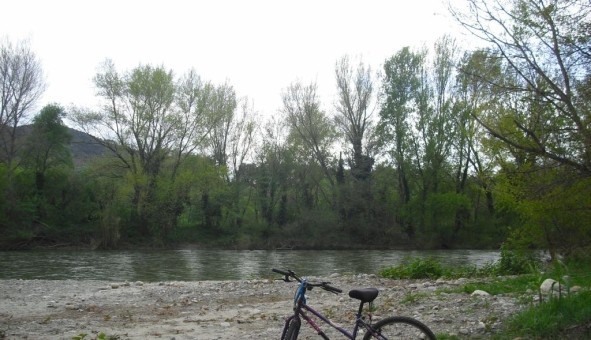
x=62 y=309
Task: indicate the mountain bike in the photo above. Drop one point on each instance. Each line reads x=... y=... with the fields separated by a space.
x=396 y=327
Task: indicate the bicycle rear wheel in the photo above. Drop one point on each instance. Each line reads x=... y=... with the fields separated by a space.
x=400 y=327
x=292 y=329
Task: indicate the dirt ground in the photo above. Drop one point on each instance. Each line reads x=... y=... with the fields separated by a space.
x=63 y=309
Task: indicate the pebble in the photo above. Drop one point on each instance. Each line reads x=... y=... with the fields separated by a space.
x=248 y=308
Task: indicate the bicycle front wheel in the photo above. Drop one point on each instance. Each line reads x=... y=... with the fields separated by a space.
x=399 y=327
x=292 y=329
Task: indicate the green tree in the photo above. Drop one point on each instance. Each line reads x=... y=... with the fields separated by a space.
x=400 y=85
x=147 y=119
x=48 y=144
x=543 y=48
x=312 y=132
x=535 y=72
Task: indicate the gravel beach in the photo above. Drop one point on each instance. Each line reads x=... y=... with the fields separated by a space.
x=62 y=309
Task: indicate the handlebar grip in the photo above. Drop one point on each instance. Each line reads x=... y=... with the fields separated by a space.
x=332 y=289
x=278 y=271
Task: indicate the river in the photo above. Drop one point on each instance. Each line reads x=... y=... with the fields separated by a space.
x=191 y=264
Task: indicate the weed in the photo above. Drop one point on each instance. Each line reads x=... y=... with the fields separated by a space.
x=553 y=317
x=99 y=336
x=411 y=298
x=418 y=268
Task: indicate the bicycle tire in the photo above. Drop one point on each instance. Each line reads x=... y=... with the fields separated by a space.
x=293 y=329
x=400 y=327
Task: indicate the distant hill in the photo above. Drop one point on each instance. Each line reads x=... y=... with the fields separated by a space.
x=83 y=146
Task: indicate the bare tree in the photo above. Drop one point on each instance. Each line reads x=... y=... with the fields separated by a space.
x=242 y=136
x=222 y=111
x=21 y=85
x=355 y=93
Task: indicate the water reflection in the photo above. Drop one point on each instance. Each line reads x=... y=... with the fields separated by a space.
x=161 y=265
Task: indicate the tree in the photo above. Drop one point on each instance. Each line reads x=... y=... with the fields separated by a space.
x=21 y=85
x=535 y=73
x=223 y=109
x=242 y=137
x=147 y=118
x=48 y=144
x=193 y=100
x=543 y=47
x=400 y=84
x=311 y=128
x=355 y=92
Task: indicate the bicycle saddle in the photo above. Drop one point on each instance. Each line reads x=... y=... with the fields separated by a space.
x=364 y=294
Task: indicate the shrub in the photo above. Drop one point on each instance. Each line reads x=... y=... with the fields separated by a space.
x=515 y=262
x=419 y=268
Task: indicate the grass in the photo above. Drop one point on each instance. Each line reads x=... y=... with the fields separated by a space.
x=564 y=316
x=429 y=268
x=504 y=285
x=568 y=317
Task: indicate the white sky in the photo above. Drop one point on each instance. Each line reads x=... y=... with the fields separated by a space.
x=259 y=46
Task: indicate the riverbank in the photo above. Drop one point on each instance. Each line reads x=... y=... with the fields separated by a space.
x=61 y=309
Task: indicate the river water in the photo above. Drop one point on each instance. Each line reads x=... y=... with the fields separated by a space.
x=191 y=265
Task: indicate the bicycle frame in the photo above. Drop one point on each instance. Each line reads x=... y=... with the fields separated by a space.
x=301 y=309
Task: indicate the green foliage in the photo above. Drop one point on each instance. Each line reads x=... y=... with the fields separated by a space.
x=417 y=268
x=510 y=263
x=504 y=285
x=558 y=318
x=99 y=336
x=515 y=262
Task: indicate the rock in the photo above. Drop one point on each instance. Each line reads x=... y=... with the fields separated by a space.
x=575 y=289
x=139 y=283
x=479 y=292
x=71 y=306
x=114 y=285
x=549 y=285
x=235 y=309
x=460 y=281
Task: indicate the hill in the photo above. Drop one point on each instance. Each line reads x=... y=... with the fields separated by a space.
x=83 y=146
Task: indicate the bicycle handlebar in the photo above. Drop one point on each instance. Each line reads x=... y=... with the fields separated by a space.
x=290 y=274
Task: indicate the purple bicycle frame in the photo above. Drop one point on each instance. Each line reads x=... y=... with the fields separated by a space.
x=302 y=308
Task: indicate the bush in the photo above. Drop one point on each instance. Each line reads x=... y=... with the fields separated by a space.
x=516 y=262
x=419 y=268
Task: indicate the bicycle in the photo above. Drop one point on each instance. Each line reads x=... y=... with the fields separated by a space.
x=396 y=327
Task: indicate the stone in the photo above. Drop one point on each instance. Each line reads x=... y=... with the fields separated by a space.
x=549 y=285
x=479 y=292
x=575 y=289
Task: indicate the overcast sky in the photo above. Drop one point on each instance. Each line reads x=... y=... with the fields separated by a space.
x=259 y=47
